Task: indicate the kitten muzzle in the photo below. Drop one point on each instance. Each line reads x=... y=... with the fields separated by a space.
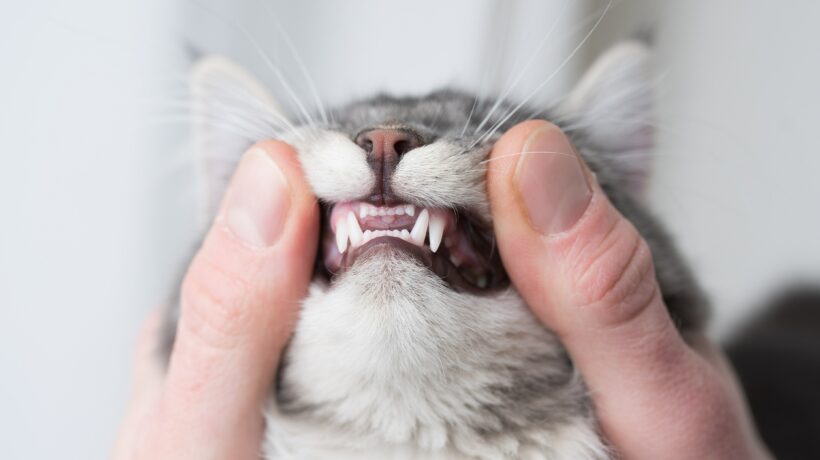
x=436 y=237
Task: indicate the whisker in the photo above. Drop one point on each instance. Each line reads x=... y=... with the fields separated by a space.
x=538 y=88
x=489 y=59
x=510 y=155
x=299 y=62
x=524 y=70
x=305 y=115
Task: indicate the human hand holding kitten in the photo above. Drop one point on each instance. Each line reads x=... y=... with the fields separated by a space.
x=239 y=301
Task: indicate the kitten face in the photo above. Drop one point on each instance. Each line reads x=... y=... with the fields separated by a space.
x=411 y=335
x=419 y=191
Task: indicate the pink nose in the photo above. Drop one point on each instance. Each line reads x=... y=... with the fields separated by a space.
x=384 y=149
x=387 y=145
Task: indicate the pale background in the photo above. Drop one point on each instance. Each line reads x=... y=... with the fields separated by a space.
x=97 y=203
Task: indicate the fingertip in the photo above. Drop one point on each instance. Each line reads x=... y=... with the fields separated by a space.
x=514 y=139
x=305 y=206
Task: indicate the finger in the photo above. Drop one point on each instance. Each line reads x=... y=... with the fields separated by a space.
x=146 y=390
x=239 y=301
x=587 y=274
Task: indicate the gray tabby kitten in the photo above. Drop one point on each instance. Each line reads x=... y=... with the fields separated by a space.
x=412 y=343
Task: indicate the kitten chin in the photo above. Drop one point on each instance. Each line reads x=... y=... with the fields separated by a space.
x=388 y=354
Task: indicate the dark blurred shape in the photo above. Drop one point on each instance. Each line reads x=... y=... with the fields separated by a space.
x=777 y=358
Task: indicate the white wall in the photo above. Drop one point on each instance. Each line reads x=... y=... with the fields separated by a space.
x=97 y=200
x=83 y=250
x=739 y=157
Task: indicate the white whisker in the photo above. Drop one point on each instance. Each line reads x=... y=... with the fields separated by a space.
x=302 y=67
x=538 y=88
x=524 y=70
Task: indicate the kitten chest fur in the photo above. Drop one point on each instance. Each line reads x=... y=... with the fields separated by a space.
x=392 y=360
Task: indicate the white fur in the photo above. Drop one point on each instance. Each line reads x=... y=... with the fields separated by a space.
x=442 y=174
x=397 y=364
x=336 y=167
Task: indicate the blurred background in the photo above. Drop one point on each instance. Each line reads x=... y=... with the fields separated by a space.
x=97 y=199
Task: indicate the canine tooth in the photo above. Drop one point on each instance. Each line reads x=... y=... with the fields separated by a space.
x=436 y=231
x=341 y=235
x=354 y=230
x=420 y=228
x=410 y=210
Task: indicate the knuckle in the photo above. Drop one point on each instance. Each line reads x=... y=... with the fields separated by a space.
x=213 y=304
x=616 y=274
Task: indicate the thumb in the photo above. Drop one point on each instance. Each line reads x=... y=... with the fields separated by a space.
x=239 y=301
x=588 y=274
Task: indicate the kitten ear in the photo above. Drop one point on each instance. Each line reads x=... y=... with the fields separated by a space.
x=611 y=107
x=231 y=110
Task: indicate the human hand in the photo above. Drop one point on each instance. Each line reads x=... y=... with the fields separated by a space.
x=239 y=301
x=588 y=275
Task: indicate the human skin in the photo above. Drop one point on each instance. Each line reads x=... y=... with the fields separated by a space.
x=584 y=270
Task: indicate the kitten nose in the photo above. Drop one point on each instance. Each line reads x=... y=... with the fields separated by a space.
x=384 y=149
x=387 y=145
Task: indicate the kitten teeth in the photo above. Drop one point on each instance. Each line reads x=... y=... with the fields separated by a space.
x=410 y=210
x=420 y=228
x=341 y=235
x=436 y=231
x=355 y=232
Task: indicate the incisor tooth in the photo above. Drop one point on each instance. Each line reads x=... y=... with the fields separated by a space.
x=341 y=235
x=410 y=210
x=420 y=228
x=354 y=230
x=436 y=231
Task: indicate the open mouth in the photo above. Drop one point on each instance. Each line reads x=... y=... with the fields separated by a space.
x=454 y=246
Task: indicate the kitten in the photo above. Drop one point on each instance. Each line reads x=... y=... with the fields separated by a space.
x=412 y=343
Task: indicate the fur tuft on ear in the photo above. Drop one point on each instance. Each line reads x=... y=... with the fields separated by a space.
x=611 y=109
x=230 y=110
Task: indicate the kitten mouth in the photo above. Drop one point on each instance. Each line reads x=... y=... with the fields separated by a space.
x=454 y=246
